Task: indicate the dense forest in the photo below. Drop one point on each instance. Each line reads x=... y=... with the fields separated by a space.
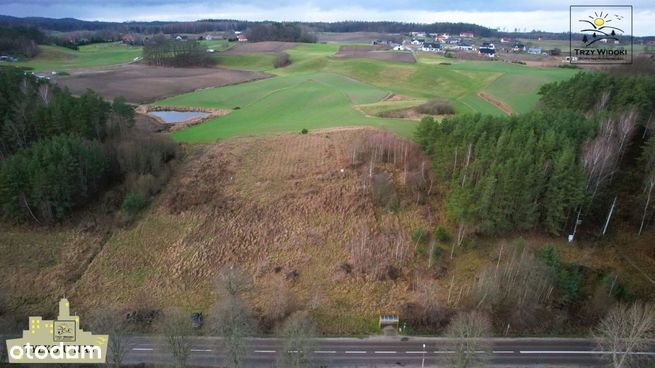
x=590 y=141
x=287 y=32
x=59 y=152
x=170 y=52
x=207 y=25
x=20 y=41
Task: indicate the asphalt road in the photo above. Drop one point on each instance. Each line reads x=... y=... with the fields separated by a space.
x=383 y=352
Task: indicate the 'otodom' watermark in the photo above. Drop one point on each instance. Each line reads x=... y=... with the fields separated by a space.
x=58 y=341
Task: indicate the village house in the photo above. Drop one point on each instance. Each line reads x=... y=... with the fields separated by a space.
x=534 y=51
x=430 y=46
x=519 y=47
x=487 y=49
x=442 y=37
x=242 y=37
x=466 y=35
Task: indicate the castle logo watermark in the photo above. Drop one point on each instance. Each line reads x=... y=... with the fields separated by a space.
x=58 y=341
x=600 y=34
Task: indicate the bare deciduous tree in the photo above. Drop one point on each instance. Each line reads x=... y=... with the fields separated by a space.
x=649 y=182
x=518 y=287
x=297 y=332
x=231 y=319
x=108 y=320
x=469 y=333
x=600 y=157
x=176 y=327
x=279 y=301
x=232 y=280
x=624 y=331
x=427 y=293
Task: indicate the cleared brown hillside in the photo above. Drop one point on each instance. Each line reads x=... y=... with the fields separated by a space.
x=274 y=205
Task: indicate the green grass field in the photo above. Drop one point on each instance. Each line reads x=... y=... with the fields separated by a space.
x=55 y=58
x=285 y=104
x=320 y=91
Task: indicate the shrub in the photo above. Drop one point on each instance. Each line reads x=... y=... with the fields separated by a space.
x=567 y=277
x=133 y=203
x=384 y=192
x=441 y=234
x=436 y=107
x=281 y=60
x=304 y=131
x=436 y=252
x=420 y=236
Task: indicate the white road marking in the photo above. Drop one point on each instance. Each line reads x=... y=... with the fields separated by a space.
x=355 y=352
x=325 y=351
x=443 y=352
x=503 y=351
x=384 y=352
x=142 y=349
x=417 y=352
x=559 y=352
x=264 y=351
x=200 y=350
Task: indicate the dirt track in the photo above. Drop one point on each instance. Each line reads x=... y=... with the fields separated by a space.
x=144 y=84
x=259 y=47
x=499 y=104
x=377 y=52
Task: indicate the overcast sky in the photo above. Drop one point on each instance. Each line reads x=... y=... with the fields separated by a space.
x=547 y=15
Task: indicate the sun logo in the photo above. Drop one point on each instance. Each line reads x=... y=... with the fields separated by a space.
x=599 y=21
x=600 y=29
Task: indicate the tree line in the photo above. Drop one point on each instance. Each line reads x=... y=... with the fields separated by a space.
x=163 y=51
x=59 y=152
x=20 y=40
x=287 y=32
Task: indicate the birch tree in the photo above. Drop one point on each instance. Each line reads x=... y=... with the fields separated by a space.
x=298 y=347
x=649 y=181
x=231 y=318
x=469 y=333
x=177 y=331
x=624 y=331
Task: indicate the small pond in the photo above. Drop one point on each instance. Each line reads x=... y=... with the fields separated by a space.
x=172 y=117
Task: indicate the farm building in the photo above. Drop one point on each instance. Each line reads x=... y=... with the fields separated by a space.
x=466 y=35
x=504 y=40
x=242 y=37
x=534 y=51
